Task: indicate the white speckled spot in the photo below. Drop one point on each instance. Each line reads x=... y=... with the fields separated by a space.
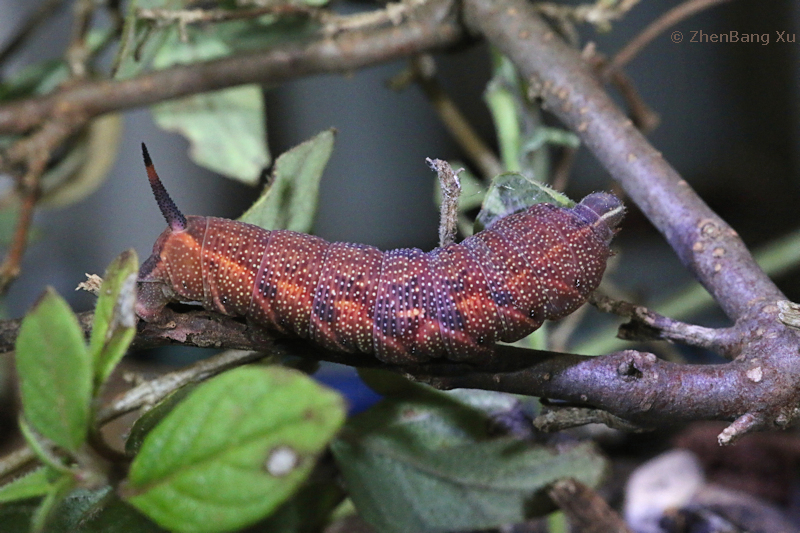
x=281 y=461
x=755 y=374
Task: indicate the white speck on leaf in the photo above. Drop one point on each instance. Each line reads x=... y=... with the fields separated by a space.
x=281 y=461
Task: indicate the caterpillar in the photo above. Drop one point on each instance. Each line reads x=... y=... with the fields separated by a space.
x=402 y=305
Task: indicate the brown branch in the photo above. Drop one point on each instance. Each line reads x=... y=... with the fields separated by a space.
x=760 y=388
x=647 y=325
x=586 y=510
x=655 y=28
x=422 y=71
x=556 y=418
x=634 y=386
x=77 y=52
x=707 y=245
x=431 y=26
x=32 y=153
x=451 y=190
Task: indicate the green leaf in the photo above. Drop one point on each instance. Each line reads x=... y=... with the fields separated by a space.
x=36 y=483
x=46 y=510
x=44 y=76
x=235 y=449
x=55 y=372
x=290 y=201
x=141 y=39
x=501 y=97
x=426 y=463
x=267 y=31
x=308 y=510
x=114 y=317
x=512 y=192
x=226 y=129
x=149 y=420
x=522 y=135
x=36 y=79
x=81 y=511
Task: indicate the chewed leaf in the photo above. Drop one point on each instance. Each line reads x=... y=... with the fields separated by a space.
x=512 y=192
x=290 y=200
x=235 y=449
x=55 y=372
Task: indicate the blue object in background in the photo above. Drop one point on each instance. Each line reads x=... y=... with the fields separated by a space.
x=345 y=379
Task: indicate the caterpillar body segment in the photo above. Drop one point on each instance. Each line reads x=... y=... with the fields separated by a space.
x=402 y=305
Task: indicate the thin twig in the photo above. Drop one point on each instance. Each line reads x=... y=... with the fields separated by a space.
x=643 y=116
x=196 y=16
x=10 y=268
x=16 y=461
x=33 y=153
x=422 y=70
x=394 y=14
x=600 y=13
x=77 y=52
x=562 y=170
x=648 y=325
x=556 y=418
x=586 y=510
x=185 y=17
x=654 y=29
x=151 y=392
x=451 y=190
x=433 y=26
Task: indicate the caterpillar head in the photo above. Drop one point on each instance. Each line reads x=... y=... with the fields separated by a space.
x=173 y=271
x=603 y=211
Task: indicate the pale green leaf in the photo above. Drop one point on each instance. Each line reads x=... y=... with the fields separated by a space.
x=235 y=449
x=512 y=192
x=226 y=129
x=55 y=372
x=33 y=484
x=290 y=200
x=141 y=40
x=115 y=320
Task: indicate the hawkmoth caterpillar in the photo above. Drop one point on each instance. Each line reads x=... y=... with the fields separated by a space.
x=402 y=305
